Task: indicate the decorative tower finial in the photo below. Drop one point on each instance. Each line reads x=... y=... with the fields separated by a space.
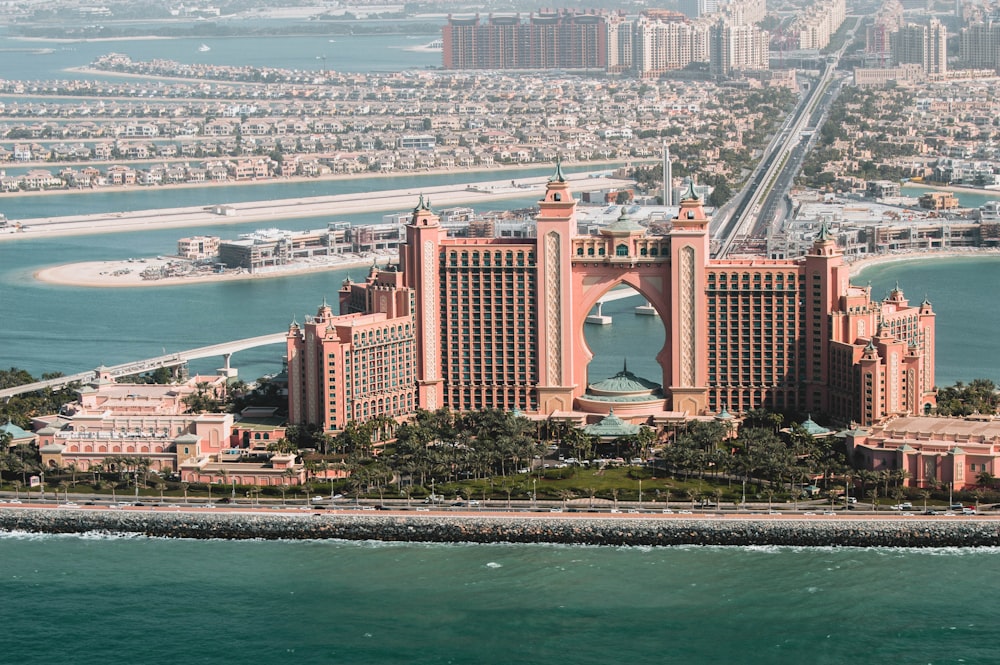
x=422 y=204
x=558 y=176
x=689 y=194
x=824 y=234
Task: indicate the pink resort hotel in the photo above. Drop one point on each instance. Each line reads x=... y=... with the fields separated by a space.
x=471 y=323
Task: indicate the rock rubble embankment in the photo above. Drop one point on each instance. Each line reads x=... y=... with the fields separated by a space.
x=496 y=529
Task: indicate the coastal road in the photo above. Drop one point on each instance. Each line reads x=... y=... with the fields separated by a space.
x=526 y=512
x=317 y=206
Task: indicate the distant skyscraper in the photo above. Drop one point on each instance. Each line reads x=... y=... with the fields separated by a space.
x=979 y=44
x=668 y=177
x=925 y=45
x=736 y=48
x=563 y=39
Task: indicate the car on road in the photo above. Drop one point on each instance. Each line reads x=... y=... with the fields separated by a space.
x=968 y=510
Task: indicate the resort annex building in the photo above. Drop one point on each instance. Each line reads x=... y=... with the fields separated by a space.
x=470 y=323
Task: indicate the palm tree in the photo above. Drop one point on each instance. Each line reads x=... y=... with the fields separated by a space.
x=873 y=495
x=184 y=488
x=17 y=488
x=985 y=478
x=769 y=492
x=925 y=494
x=284 y=488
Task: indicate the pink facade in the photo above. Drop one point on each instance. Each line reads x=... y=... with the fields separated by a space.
x=280 y=470
x=932 y=451
x=355 y=366
x=498 y=322
x=133 y=420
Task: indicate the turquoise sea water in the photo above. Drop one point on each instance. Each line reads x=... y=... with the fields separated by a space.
x=97 y=600
x=47 y=328
x=381 y=53
x=72 y=600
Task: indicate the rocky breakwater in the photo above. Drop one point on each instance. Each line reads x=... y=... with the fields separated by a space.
x=584 y=530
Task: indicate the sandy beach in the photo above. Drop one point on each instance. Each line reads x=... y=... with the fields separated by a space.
x=123 y=274
x=857 y=267
x=995 y=193
x=270 y=211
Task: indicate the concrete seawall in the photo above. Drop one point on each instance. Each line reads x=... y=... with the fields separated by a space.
x=494 y=529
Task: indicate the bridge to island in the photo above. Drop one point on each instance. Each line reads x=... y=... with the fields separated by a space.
x=225 y=350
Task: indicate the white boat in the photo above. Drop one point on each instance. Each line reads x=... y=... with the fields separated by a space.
x=204 y=47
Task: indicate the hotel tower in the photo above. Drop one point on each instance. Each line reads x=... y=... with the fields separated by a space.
x=470 y=323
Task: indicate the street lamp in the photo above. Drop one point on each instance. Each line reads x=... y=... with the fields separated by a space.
x=534 y=493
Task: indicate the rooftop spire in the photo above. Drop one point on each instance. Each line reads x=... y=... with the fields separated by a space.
x=422 y=204
x=824 y=234
x=689 y=194
x=558 y=176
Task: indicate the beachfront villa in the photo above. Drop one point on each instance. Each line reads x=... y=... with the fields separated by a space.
x=152 y=422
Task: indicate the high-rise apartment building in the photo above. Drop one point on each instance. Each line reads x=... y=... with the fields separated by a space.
x=924 y=45
x=735 y=48
x=561 y=39
x=668 y=40
x=979 y=45
x=657 y=42
x=813 y=28
x=471 y=323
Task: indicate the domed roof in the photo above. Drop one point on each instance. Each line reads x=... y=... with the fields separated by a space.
x=623 y=226
x=813 y=428
x=611 y=426
x=16 y=433
x=624 y=382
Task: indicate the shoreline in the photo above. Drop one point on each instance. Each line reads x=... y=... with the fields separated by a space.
x=127 y=273
x=108 y=274
x=993 y=193
x=267 y=211
x=270 y=210
x=859 y=266
x=284 y=180
x=568 y=529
